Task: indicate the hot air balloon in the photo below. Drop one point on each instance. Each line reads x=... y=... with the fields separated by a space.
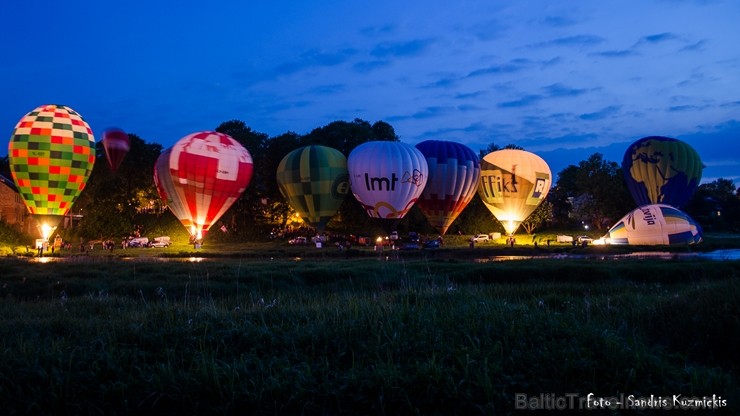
x=314 y=180
x=166 y=187
x=454 y=171
x=512 y=184
x=387 y=177
x=51 y=155
x=116 y=145
x=661 y=170
x=654 y=224
x=201 y=176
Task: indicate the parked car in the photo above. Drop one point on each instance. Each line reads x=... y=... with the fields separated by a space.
x=297 y=241
x=410 y=246
x=584 y=239
x=480 y=238
x=394 y=235
x=162 y=241
x=138 y=242
x=431 y=243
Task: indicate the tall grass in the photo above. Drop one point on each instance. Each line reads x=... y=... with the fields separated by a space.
x=363 y=336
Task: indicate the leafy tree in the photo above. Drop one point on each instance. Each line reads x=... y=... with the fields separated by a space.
x=541 y=216
x=110 y=201
x=716 y=205
x=345 y=136
x=253 y=141
x=494 y=147
x=276 y=208
x=476 y=218
x=241 y=218
x=597 y=187
x=561 y=195
x=5 y=166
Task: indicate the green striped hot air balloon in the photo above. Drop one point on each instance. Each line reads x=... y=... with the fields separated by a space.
x=314 y=180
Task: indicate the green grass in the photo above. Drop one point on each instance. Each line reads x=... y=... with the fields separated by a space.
x=359 y=336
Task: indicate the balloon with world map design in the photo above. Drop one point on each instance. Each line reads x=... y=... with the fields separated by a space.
x=661 y=170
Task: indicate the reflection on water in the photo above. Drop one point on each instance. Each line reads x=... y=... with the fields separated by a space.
x=721 y=255
x=732 y=254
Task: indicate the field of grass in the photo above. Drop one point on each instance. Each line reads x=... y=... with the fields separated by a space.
x=366 y=335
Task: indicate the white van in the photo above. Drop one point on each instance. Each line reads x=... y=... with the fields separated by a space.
x=162 y=241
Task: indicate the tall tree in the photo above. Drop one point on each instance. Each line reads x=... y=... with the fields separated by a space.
x=597 y=186
x=716 y=205
x=539 y=217
x=110 y=202
x=345 y=136
x=253 y=141
x=494 y=147
x=5 y=166
x=242 y=218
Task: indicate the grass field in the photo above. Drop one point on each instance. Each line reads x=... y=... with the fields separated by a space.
x=368 y=334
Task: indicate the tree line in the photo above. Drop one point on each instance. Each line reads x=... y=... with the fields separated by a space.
x=592 y=192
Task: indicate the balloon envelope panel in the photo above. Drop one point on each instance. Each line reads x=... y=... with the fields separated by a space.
x=661 y=170
x=116 y=144
x=513 y=183
x=387 y=177
x=208 y=171
x=655 y=224
x=314 y=179
x=167 y=189
x=454 y=171
x=51 y=155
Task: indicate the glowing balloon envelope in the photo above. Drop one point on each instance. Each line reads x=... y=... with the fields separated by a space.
x=116 y=144
x=454 y=171
x=201 y=176
x=512 y=184
x=654 y=224
x=661 y=170
x=167 y=189
x=387 y=177
x=314 y=179
x=51 y=155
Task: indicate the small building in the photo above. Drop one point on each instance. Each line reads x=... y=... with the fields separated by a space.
x=12 y=209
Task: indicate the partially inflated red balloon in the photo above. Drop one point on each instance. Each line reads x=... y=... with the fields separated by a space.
x=116 y=145
x=201 y=176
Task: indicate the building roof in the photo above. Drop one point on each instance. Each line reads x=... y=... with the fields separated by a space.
x=9 y=183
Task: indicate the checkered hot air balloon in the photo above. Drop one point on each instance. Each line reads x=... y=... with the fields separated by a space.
x=51 y=154
x=314 y=179
x=201 y=176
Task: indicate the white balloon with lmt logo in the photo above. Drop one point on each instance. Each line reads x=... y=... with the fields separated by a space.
x=386 y=177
